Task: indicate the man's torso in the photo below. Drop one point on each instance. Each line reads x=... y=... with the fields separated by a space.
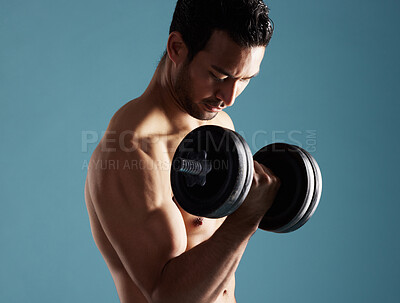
x=150 y=135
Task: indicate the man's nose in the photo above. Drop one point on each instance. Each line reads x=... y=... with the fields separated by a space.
x=227 y=92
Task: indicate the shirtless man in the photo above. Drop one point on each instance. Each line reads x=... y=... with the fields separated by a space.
x=156 y=252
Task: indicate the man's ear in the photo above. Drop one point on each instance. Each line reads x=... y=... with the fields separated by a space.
x=176 y=48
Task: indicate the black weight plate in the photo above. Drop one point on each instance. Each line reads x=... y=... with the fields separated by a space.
x=316 y=195
x=297 y=183
x=306 y=203
x=309 y=196
x=248 y=174
x=225 y=151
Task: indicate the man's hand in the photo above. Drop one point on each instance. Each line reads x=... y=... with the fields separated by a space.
x=264 y=188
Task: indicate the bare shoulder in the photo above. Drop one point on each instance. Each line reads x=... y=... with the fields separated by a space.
x=128 y=116
x=119 y=163
x=224 y=120
x=140 y=116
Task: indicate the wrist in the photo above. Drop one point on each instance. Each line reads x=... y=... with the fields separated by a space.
x=242 y=225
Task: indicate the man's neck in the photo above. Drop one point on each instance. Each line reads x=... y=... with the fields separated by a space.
x=161 y=95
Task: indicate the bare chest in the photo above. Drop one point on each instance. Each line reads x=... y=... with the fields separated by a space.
x=198 y=229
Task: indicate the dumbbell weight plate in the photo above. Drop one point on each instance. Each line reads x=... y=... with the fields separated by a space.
x=249 y=175
x=224 y=188
x=316 y=195
x=245 y=175
x=297 y=185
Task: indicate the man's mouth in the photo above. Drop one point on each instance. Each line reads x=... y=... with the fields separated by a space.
x=213 y=108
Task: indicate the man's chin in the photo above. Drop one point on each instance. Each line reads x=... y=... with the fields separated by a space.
x=206 y=116
x=201 y=114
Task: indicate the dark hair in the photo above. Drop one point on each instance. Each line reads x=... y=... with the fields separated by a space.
x=245 y=21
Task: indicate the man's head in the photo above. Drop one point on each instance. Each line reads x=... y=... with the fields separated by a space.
x=217 y=46
x=245 y=21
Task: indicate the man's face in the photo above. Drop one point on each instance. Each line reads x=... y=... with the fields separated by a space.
x=216 y=76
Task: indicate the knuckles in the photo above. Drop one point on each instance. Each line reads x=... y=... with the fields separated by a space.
x=264 y=177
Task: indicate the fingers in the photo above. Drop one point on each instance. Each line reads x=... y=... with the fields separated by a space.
x=261 y=168
x=263 y=173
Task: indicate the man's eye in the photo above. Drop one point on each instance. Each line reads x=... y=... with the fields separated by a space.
x=216 y=78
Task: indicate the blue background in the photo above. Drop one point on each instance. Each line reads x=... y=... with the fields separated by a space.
x=329 y=81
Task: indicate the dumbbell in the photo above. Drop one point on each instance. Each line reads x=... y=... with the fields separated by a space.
x=212 y=171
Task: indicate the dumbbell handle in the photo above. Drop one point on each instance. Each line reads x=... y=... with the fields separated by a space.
x=189 y=166
x=195 y=170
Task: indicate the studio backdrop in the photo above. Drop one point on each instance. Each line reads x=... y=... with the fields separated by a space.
x=329 y=82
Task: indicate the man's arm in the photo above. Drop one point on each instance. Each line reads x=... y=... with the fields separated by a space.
x=147 y=231
x=202 y=273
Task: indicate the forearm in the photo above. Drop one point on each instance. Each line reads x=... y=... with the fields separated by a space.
x=202 y=273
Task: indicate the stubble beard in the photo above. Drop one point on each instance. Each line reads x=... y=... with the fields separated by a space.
x=183 y=90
